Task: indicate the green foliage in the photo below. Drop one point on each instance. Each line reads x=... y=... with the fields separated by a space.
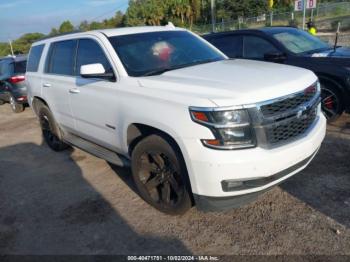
x=21 y=45
x=184 y=13
x=66 y=27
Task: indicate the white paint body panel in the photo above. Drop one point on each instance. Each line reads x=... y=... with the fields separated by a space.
x=163 y=102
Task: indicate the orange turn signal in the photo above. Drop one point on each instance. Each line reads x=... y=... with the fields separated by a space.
x=200 y=116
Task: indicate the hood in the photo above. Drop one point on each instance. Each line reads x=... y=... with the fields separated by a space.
x=341 y=56
x=231 y=82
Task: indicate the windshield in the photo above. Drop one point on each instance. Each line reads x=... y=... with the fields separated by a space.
x=298 y=41
x=157 y=52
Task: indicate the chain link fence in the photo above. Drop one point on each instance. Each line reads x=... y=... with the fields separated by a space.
x=326 y=16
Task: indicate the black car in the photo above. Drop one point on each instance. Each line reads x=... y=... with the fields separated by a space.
x=292 y=46
x=13 y=89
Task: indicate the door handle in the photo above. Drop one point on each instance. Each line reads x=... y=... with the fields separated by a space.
x=46 y=85
x=74 y=91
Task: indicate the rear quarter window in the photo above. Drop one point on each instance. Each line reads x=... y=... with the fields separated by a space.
x=34 y=58
x=20 y=67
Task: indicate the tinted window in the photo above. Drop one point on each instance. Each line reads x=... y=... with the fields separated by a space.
x=229 y=45
x=34 y=58
x=154 y=53
x=20 y=67
x=6 y=68
x=90 y=52
x=61 y=57
x=298 y=41
x=256 y=47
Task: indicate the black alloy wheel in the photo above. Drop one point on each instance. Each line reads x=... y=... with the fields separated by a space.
x=50 y=130
x=160 y=175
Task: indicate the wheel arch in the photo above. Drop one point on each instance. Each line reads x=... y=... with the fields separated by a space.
x=36 y=102
x=137 y=131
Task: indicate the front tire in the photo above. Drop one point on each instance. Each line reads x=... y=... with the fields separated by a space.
x=332 y=102
x=50 y=130
x=160 y=175
x=16 y=107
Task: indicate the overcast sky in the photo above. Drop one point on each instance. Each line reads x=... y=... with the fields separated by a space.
x=18 y=17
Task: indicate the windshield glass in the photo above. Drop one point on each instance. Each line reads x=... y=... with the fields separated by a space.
x=298 y=41
x=156 y=52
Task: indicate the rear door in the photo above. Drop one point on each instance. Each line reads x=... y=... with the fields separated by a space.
x=59 y=79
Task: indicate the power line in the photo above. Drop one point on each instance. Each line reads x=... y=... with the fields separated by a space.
x=109 y=12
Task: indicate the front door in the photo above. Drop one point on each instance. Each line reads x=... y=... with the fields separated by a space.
x=94 y=101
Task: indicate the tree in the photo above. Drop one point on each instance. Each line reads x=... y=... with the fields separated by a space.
x=23 y=44
x=84 y=26
x=66 y=27
x=53 y=32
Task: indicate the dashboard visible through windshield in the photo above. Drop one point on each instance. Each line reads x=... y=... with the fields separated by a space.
x=299 y=42
x=154 y=53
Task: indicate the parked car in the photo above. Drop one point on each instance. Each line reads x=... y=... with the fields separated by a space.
x=291 y=46
x=13 y=88
x=195 y=126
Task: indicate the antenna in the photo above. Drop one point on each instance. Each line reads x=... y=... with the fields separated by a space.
x=336 y=37
x=10 y=42
x=170 y=25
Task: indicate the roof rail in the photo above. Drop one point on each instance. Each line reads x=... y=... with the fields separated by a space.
x=63 y=34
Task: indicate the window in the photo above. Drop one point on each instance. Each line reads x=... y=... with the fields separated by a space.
x=61 y=58
x=34 y=58
x=298 y=41
x=256 y=47
x=6 y=68
x=154 y=53
x=90 y=52
x=229 y=45
x=20 y=67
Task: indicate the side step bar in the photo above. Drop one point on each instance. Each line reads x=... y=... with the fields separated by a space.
x=96 y=150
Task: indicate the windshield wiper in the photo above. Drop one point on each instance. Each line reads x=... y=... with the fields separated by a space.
x=166 y=69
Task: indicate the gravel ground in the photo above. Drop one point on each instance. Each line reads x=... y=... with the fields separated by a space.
x=74 y=203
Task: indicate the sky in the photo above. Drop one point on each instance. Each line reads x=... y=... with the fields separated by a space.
x=18 y=17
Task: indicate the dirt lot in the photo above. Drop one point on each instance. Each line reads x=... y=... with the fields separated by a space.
x=74 y=203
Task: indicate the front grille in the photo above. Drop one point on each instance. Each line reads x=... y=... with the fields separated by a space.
x=287 y=118
x=289 y=103
x=291 y=129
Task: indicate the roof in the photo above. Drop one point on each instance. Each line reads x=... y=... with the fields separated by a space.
x=137 y=30
x=272 y=29
x=115 y=32
x=17 y=58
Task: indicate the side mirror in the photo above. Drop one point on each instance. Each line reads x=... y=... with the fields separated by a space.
x=275 y=57
x=95 y=71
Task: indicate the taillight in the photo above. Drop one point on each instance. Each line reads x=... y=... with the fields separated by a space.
x=16 y=79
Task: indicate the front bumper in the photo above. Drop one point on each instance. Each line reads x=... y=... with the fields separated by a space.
x=264 y=168
x=205 y=203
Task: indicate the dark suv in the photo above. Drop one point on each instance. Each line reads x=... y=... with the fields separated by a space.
x=13 y=88
x=292 y=46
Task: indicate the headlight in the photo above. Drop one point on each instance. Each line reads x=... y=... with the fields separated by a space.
x=232 y=128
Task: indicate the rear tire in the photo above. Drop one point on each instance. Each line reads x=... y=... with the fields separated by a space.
x=50 y=130
x=16 y=107
x=1 y=102
x=160 y=175
x=332 y=102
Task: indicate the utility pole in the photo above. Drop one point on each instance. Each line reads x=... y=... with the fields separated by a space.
x=213 y=19
x=10 y=42
x=304 y=13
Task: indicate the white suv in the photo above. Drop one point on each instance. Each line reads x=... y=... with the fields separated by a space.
x=195 y=126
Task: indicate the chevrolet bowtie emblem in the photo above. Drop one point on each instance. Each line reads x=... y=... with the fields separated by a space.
x=300 y=112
